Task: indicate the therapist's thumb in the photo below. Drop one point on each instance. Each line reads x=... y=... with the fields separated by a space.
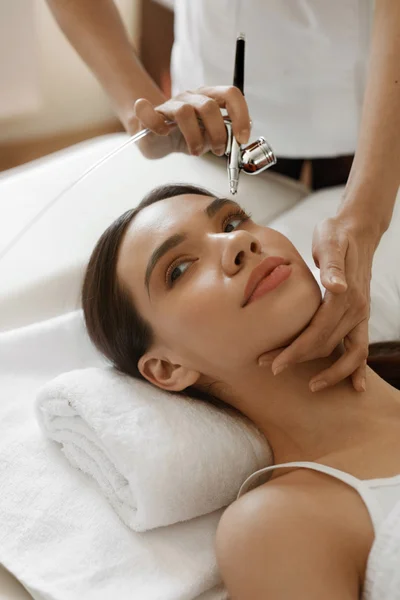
x=330 y=246
x=150 y=118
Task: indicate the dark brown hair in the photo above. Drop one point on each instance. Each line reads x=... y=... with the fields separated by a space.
x=114 y=325
x=120 y=333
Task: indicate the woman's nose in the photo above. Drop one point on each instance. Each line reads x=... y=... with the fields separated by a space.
x=239 y=246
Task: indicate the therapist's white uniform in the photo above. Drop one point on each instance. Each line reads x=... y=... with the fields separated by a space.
x=306 y=65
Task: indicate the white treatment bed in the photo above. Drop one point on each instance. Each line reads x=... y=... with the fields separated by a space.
x=40 y=279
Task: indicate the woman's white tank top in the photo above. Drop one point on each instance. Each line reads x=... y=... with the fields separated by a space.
x=379 y=495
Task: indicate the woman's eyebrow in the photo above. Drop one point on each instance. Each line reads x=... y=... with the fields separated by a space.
x=174 y=240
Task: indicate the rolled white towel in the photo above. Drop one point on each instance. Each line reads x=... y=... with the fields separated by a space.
x=158 y=458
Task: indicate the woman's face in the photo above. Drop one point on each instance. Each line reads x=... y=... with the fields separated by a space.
x=193 y=294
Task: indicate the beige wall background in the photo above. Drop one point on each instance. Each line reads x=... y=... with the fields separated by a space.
x=69 y=95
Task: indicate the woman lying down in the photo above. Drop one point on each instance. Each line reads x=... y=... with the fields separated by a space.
x=171 y=295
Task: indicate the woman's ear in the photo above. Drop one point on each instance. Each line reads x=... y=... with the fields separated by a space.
x=165 y=375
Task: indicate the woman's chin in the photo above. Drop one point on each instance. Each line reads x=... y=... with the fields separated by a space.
x=280 y=325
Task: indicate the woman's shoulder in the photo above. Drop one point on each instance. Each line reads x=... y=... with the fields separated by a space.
x=289 y=519
x=299 y=493
x=335 y=506
x=325 y=505
x=303 y=490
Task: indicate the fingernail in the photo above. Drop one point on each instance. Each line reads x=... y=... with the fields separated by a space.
x=337 y=280
x=363 y=384
x=263 y=363
x=243 y=136
x=220 y=151
x=318 y=385
x=279 y=369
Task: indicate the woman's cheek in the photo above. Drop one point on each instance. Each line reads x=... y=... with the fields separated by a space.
x=185 y=310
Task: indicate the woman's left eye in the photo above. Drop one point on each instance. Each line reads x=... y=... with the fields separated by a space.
x=240 y=215
x=174 y=269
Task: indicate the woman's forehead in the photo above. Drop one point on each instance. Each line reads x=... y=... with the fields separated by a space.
x=152 y=225
x=171 y=209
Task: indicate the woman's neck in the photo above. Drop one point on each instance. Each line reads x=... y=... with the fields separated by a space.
x=304 y=425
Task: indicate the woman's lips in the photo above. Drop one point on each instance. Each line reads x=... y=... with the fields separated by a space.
x=271 y=281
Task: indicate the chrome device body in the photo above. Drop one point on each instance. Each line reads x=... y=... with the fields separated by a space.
x=254 y=158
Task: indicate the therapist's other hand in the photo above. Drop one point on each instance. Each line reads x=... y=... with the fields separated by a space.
x=204 y=103
x=341 y=248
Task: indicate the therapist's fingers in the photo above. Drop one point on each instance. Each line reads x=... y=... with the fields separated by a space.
x=206 y=101
x=180 y=109
x=197 y=114
x=200 y=120
x=210 y=114
x=359 y=377
x=231 y=98
x=352 y=362
x=185 y=116
x=320 y=336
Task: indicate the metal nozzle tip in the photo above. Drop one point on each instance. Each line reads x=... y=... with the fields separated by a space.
x=233 y=190
x=241 y=36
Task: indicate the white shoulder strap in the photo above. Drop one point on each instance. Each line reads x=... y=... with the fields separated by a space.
x=373 y=506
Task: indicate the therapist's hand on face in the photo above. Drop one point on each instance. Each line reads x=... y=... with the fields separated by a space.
x=342 y=247
x=204 y=103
